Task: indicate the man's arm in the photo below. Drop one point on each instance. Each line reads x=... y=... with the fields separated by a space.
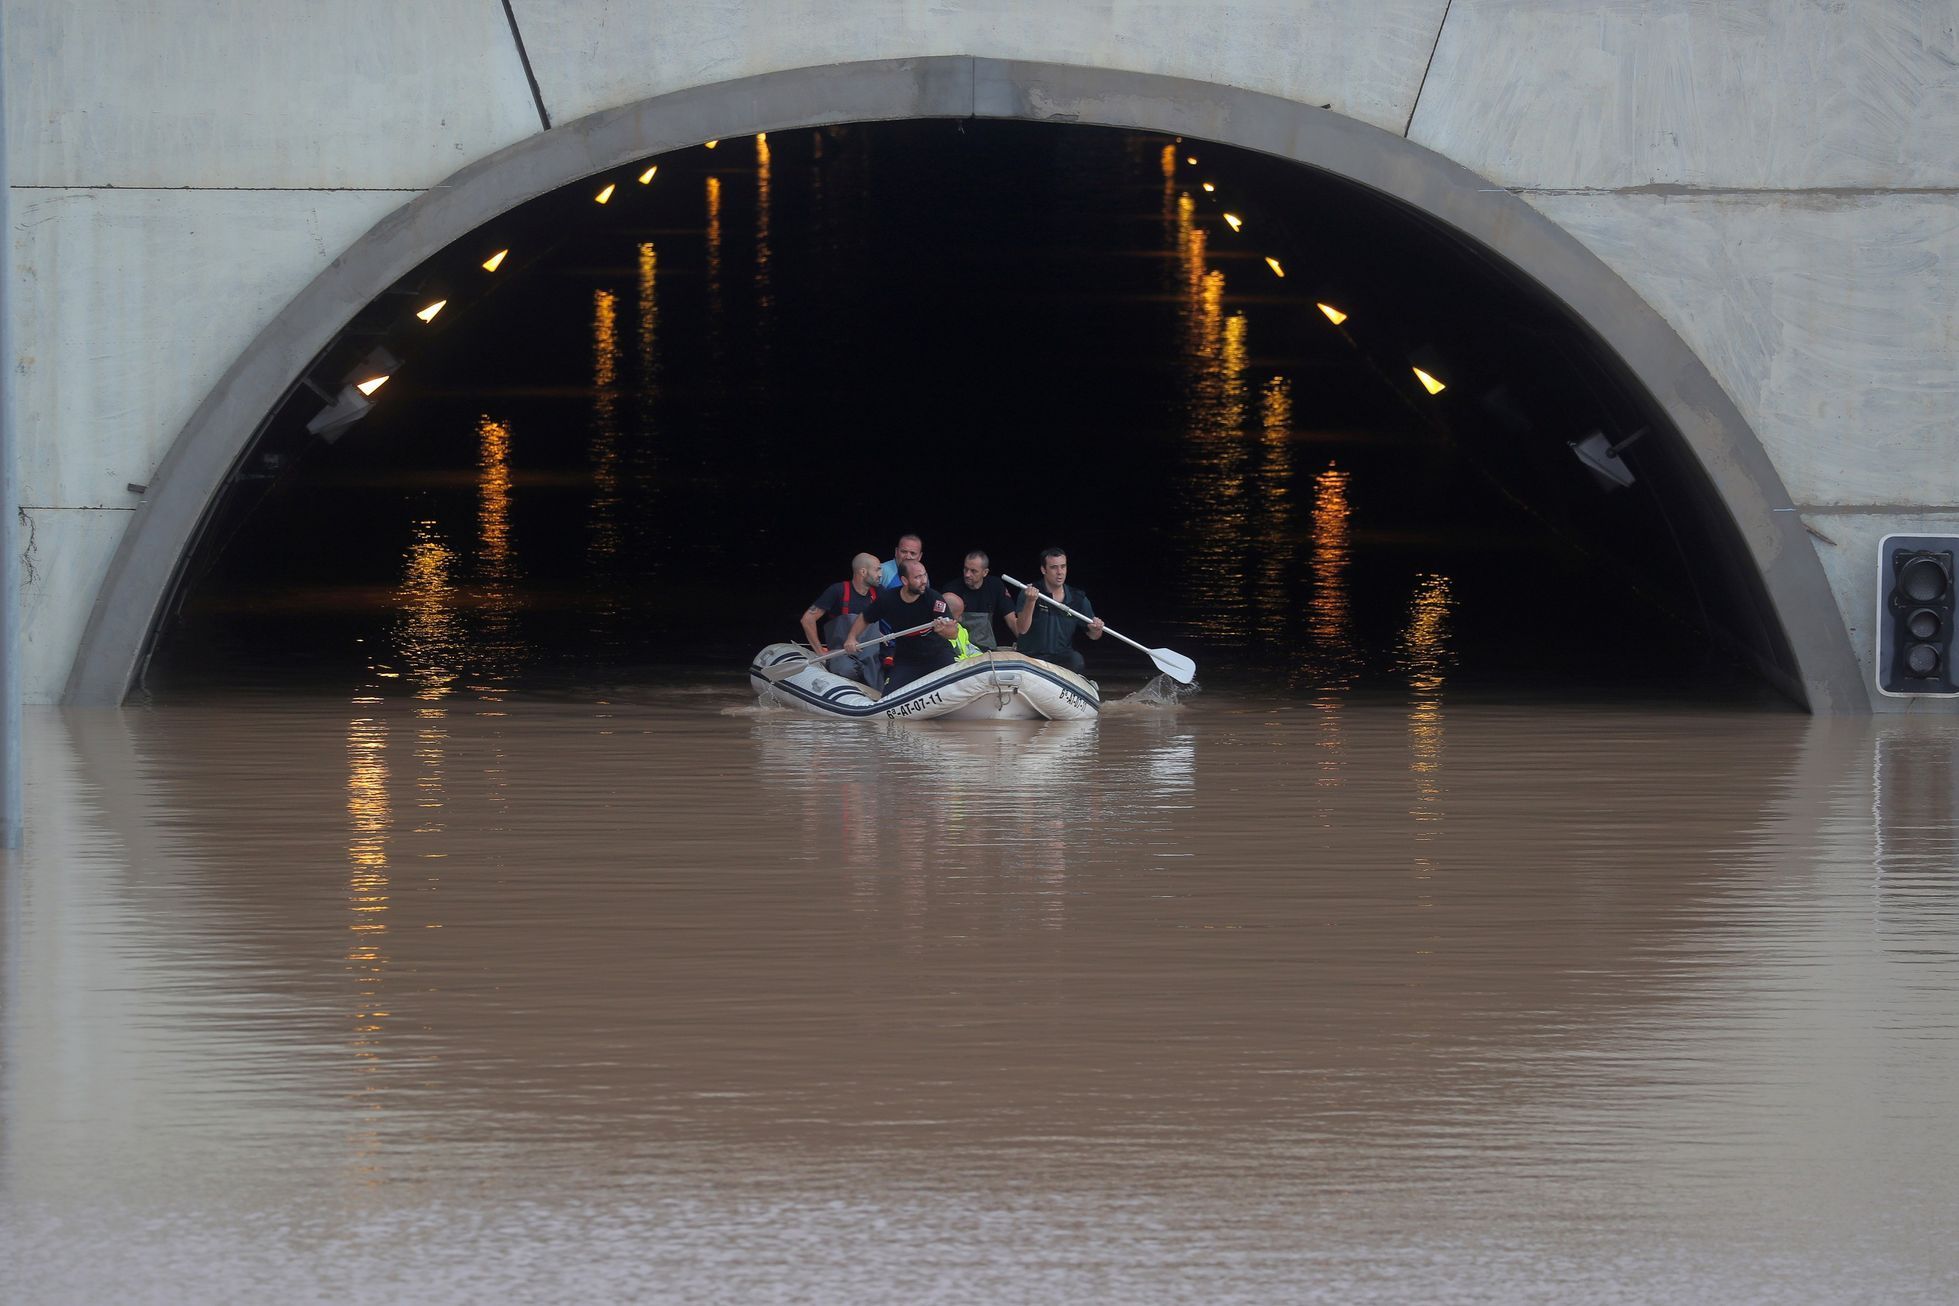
x=1094 y=622
x=856 y=629
x=809 y=629
x=1023 y=621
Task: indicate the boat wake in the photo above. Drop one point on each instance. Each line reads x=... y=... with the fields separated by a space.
x=1161 y=693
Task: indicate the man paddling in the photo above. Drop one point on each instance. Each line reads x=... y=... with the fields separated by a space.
x=913 y=603
x=837 y=607
x=1045 y=632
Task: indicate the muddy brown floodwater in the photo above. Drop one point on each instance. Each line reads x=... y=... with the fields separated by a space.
x=688 y=1000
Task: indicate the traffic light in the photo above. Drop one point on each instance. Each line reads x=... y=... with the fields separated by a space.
x=1915 y=608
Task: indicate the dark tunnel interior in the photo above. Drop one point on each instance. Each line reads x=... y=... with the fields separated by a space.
x=639 y=446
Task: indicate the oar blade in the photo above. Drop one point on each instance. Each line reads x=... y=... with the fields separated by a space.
x=777 y=672
x=1174 y=665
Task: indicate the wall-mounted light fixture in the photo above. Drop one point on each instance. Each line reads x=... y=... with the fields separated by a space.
x=351 y=402
x=1602 y=458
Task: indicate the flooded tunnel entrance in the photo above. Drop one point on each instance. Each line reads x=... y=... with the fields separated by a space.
x=1287 y=425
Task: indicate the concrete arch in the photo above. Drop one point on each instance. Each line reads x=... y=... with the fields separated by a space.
x=1737 y=467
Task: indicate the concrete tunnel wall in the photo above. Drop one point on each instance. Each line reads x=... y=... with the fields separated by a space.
x=1749 y=199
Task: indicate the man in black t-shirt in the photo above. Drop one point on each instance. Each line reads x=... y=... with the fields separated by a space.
x=914 y=603
x=986 y=597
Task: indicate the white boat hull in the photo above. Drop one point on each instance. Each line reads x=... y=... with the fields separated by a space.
x=999 y=686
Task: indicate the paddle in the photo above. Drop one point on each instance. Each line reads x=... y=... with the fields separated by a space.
x=784 y=670
x=1171 y=663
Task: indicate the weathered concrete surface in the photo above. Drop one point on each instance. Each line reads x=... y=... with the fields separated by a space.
x=362 y=94
x=1364 y=60
x=65 y=553
x=1773 y=178
x=1755 y=94
x=131 y=303
x=1830 y=319
x=158 y=291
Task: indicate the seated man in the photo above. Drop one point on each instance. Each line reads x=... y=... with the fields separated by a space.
x=910 y=548
x=838 y=608
x=985 y=597
x=914 y=603
x=1046 y=632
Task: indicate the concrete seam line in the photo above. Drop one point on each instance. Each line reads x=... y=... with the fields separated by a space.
x=524 y=57
x=1422 y=85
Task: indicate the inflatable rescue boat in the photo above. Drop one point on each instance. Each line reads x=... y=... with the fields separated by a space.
x=998 y=686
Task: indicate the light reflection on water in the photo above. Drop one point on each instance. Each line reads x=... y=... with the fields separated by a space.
x=758 y=1007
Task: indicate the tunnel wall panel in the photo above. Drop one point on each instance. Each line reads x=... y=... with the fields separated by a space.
x=1364 y=61
x=259 y=93
x=1748 y=94
x=1799 y=307
x=134 y=300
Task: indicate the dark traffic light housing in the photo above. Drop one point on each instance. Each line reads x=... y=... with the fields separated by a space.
x=1916 y=595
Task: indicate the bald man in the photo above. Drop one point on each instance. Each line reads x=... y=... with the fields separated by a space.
x=839 y=607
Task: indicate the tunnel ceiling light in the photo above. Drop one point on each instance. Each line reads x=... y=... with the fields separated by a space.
x=711 y=144
x=1237 y=223
x=495 y=261
x=1333 y=314
x=369 y=386
x=428 y=314
x=1429 y=383
x=1191 y=159
x=1278 y=269
x=1210 y=189
x=605 y=195
x=646 y=178
x=761 y=138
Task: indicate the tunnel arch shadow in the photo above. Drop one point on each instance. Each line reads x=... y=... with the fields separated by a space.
x=1816 y=665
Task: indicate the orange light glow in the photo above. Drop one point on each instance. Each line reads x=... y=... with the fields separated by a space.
x=495 y=261
x=1277 y=269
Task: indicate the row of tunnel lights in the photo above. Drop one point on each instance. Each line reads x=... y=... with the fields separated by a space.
x=372 y=383
x=379 y=378
x=1428 y=380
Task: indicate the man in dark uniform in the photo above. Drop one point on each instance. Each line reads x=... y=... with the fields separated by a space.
x=838 y=607
x=985 y=597
x=1048 y=633
x=914 y=603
